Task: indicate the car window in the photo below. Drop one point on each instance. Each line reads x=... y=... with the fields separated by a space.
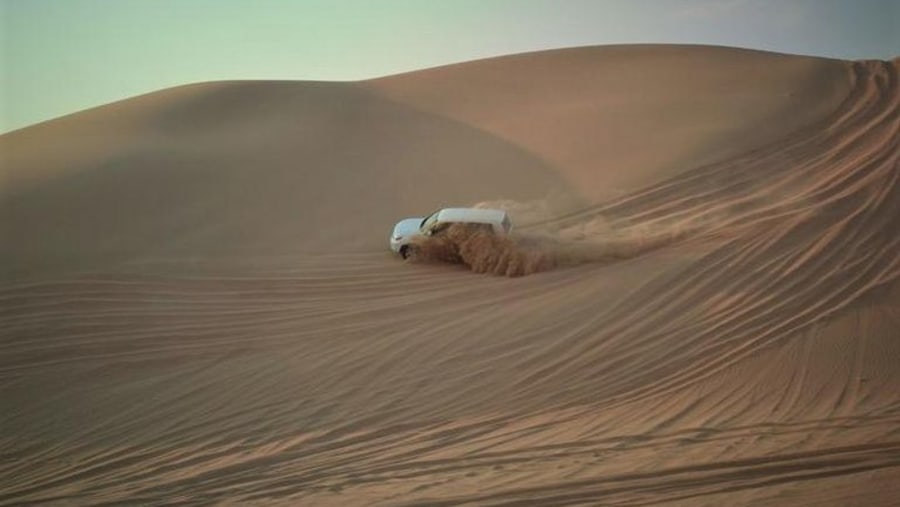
x=429 y=220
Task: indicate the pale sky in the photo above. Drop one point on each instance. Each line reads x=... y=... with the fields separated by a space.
x=61 y=56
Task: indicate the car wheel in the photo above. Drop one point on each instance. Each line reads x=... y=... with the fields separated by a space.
x=408 y=252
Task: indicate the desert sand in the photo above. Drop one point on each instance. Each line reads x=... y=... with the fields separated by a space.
x=199 y=305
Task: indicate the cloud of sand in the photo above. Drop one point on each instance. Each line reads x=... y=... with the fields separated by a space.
x=540 y=248
x=483 y=252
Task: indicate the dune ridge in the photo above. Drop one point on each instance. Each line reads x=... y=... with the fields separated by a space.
x=644 y=221
x=740 y=348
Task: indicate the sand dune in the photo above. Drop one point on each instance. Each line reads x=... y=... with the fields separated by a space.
x=198 y=305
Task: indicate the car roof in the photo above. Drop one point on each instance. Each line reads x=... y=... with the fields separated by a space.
x=477 y=215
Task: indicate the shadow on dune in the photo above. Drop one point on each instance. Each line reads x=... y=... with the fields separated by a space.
x=234 y=171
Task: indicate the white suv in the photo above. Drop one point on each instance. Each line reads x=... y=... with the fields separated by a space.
x=407 y=230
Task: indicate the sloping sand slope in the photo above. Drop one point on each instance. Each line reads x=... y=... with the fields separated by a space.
x=198 y=306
